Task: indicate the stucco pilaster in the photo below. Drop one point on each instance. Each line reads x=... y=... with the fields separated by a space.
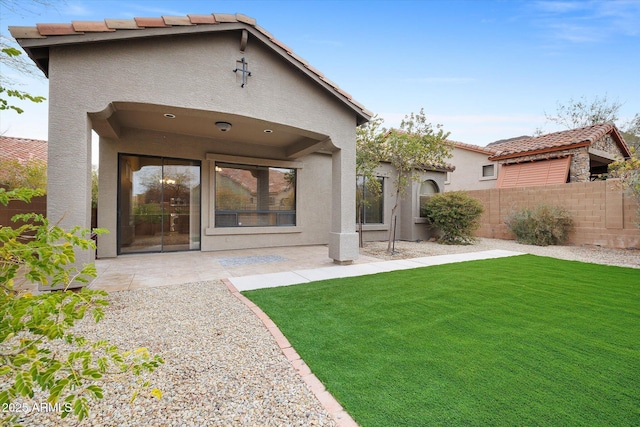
x=343 y=239
x=69 y=171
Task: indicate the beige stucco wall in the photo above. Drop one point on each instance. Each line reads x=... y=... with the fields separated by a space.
x=195 y=72
x=409 y=224
x=468 y=172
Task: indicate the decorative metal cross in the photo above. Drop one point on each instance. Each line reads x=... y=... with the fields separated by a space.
x=245 y=72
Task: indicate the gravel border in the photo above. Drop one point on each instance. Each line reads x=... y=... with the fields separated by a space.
x=591 y=254
x=222 y=367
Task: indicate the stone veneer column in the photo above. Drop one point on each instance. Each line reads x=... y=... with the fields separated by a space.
x=580 y=168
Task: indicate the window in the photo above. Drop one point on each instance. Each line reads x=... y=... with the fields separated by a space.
x=254 y=196
x=488 y=171
x=372 y=208
x=427 y=189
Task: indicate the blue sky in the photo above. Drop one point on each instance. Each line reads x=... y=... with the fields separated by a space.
x=485 y=70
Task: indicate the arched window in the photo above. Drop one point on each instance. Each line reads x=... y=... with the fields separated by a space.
x=427 y=189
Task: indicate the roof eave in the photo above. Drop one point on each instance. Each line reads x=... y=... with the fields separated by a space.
x=621 y=142
x=540 y=151
x=38 y=50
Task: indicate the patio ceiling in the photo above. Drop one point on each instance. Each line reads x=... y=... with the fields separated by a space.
x=292 y=142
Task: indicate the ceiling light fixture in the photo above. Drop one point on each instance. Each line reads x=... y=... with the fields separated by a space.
x=223 y=126
x=170 y=116
x=268 y=131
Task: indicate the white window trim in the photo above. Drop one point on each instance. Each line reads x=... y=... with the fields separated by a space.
x=489 y=178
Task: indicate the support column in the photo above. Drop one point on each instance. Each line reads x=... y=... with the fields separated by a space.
x=69 y=174
x=343 y=239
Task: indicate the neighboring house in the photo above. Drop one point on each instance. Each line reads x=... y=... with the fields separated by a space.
x=473 y=169
x=175 y=100
x=409 y=224
x=22 y=149
x=576 y=155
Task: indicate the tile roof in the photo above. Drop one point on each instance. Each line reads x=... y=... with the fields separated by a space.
x=22 y=149
x=483 y=150
x=44 y=35
x=573 y=138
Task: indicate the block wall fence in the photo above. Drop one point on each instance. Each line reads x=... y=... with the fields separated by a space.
x=603 y=215
x=38 y=205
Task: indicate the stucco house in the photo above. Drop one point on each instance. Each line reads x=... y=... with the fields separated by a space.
x=575 y=155
x=181 y=104
x=473 y=169
x=409 y=223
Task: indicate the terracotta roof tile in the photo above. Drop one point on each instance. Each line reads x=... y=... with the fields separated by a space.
x=55 y=29
x=299 y=59
x=202 y=19
x=342 y=92
x=265 y=32
x=314 y=70
x=177 y=20
x=26 y=33
x=225 y=17
x=90 y=26
x=22 y=149
x=42 y=31
x=150 y=22
x=485 y=150
x=245 y=19
x=282 y=45
x=518 y=147
x=122 y=24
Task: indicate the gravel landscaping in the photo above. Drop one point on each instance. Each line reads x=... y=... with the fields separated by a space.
x=593 y=254
x=222 y=367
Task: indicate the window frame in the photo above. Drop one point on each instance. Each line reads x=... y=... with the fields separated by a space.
x=364 y=206
x=211 y=230
x=484 y=177
x=421 y=195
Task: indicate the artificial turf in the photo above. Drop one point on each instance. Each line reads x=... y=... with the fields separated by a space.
x=514 y=341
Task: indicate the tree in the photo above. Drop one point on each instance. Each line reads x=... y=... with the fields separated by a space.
x=583 y=112
x=40 y=252
x=416 y=147
x=32 y=174
x=628 y=171
x=10 y=57
x=94 y=187
x=369 y=144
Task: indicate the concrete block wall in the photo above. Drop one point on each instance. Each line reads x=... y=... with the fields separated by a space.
x=38 y=205
x=602 y=214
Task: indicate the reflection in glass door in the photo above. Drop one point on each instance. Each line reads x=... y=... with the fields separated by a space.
x=158 y=204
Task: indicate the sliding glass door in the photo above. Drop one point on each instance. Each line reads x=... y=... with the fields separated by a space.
x=158 y=204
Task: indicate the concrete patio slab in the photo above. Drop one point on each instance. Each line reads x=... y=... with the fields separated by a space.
x=294 y=277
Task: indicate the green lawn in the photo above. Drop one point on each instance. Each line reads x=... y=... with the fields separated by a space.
x=513 y=341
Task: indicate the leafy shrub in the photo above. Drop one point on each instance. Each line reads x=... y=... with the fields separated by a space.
x=40 y=252
x=542 y=226
x=455 y=214
x=32 y=174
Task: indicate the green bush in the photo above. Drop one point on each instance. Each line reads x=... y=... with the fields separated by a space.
x=40 y=252
x=455 y=214
x=542 y=226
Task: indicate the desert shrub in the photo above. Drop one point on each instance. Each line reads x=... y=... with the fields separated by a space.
x=542 y=226
x=40 y=252
x=32 y=174
x=455 y=214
